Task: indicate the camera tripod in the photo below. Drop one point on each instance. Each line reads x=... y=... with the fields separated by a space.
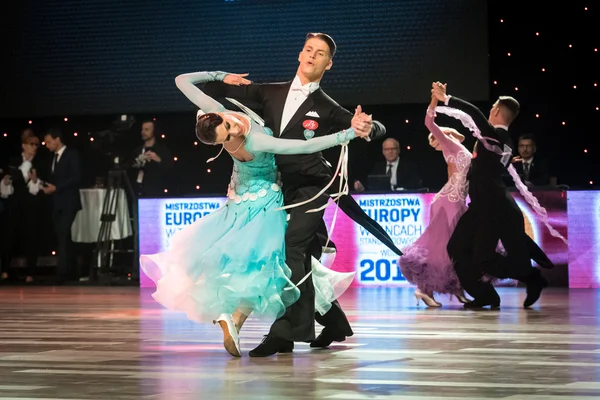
x=102 y=270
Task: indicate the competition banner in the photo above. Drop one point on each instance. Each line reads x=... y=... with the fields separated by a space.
x=404 y=217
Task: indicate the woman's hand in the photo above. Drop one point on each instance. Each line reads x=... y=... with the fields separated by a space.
x=362 y=123
x=434 y=103
x=236 y=79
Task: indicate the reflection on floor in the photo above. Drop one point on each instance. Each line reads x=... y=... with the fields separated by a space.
x=116 y=343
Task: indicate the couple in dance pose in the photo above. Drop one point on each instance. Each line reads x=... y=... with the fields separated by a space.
x=250 y=256
x=465 y=247
x=253 y=257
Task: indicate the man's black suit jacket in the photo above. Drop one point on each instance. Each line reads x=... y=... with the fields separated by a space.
x=486 y=183
x=539 y=172
x=407 y=175
x=157 y=176
x=301 y=169
x=67 y=179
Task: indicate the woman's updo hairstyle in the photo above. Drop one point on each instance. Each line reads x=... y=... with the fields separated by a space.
x=206 y=127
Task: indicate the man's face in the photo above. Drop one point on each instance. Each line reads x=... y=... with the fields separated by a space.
x=526 y=148
x=391 y=150
x=51 y=143
x=147 y=130
x=314 y=59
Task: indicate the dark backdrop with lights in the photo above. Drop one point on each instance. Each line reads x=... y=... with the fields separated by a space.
x=88 y=62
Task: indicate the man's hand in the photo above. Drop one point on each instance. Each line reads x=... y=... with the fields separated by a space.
x=236 y=79
x=49 y=188
x=362 y=123
x=152 y=156
x=6 y=180
x=358 y=186
x=438 y=90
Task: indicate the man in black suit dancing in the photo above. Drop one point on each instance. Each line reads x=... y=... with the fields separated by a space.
x=63 y=185
x=493 y=213
x=300 y=109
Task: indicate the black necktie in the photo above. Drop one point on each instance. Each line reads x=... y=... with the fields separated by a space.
x=526 y=170
x=54 y=161
x=389 y=170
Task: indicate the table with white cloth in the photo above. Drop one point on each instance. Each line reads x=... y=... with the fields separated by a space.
x=86 y=227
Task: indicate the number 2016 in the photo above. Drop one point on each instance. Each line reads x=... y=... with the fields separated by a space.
x=380 y=270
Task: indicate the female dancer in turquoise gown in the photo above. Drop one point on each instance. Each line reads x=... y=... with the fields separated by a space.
x=231 y=263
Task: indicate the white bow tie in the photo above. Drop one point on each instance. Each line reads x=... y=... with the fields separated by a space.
x=306 y=90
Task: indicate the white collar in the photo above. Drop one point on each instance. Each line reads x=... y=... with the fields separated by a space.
x=310 y=86
x=60 y=151
x=501 y=127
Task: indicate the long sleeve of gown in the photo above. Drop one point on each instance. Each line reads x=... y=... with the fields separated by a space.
x=187 y=84
x=261 y=142
x=437 y=133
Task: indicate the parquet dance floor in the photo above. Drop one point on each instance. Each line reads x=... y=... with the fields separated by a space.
x=116 y=343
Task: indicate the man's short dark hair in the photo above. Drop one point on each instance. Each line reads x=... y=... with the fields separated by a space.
x=511 y=105
x=324 y=37
x=150 y=121
x=56 y=133
x=528 y=136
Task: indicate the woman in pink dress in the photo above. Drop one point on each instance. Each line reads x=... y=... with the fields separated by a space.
x=426 y=263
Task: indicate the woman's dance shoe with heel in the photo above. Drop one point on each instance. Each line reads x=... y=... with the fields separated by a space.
x=231 y=338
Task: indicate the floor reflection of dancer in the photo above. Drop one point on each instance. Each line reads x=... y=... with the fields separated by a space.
x=233 y=260
x=426 y=262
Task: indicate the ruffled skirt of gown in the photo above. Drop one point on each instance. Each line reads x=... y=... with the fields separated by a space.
x=426 y=263
x=234 y=257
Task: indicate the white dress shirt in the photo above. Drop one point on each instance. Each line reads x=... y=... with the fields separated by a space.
x=296 y=96
x=25 y=167
x=6 y=190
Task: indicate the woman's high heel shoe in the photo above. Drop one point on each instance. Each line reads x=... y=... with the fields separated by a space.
x=429 y=300
x=231 y=337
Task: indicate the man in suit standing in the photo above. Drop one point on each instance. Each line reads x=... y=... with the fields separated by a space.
x=493 y=213
x=533 y=170
x=402 y=172
x=301 y=110
x=63 y=185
